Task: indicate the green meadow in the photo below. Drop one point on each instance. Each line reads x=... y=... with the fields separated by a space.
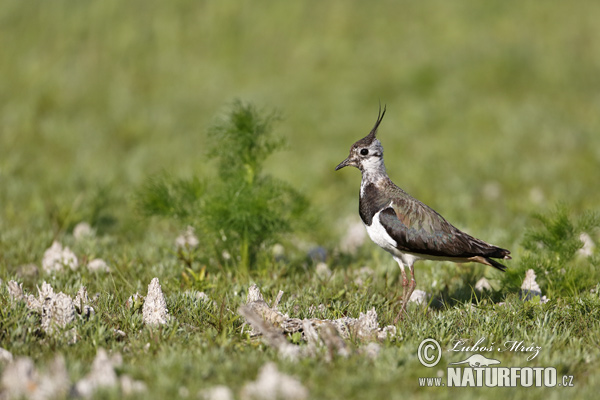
x=116 y=114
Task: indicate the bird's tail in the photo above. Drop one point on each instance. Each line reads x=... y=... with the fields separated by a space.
x=499 y=253
x=496 y=264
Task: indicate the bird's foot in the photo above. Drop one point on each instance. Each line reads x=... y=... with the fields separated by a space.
x=402 y=313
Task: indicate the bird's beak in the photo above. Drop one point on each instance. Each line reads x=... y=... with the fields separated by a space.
x=343 y=164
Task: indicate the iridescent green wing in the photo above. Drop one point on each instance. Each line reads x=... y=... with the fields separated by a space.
x=417 y=228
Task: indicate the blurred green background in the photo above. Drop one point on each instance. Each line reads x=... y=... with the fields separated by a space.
x=493 y=107
x=493 y=113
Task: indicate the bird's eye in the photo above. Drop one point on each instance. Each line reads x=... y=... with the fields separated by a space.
x=364 y=152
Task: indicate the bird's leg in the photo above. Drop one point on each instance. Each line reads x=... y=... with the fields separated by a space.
x=413 y=282
x=405 y=285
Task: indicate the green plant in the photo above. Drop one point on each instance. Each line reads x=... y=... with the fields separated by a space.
x=243 y=208
x=552 y=252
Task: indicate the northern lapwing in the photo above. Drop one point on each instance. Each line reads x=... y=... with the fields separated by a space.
x=405 y=227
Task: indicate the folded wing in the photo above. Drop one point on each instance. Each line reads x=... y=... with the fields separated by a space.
x=419 y=229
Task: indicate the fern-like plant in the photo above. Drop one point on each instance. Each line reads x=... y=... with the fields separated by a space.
x=551 y=250
x=242 y=208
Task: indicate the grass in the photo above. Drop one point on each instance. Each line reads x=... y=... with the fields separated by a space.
x=492 y=120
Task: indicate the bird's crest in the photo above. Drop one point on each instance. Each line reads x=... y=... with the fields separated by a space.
x=367 y=140
x=373 y=132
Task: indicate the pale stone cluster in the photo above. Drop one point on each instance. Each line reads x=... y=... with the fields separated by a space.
x=58 y=257
x=21 y=379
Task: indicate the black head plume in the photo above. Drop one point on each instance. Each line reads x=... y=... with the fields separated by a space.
x=373 y=132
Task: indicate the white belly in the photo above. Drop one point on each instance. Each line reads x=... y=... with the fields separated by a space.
x=381 y=237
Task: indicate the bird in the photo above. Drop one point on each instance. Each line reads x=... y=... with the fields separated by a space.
x=405 y=227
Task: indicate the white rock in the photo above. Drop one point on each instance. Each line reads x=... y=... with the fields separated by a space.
x=372 y=350
x=216 y=393
x=387 y=332
x=278 y=250
x=419 y=297
x=27 y=270
x=15 y=290
x=36 y=303
x=155 y=311
x=119 y=333
x=183 y=392
x=272 y=385
x=20 y=378
x=56 y=257
x=529 y=283
x=133 y=299
x=367 y=323
x=530 y=288
x=130 y=386
x=354 y=238
x=492 y=190
x=254 y=294
x=5 y=356
x=83 y=230
x=46 y=291
x=57 y=311
x=197 y=295
x=55 y=382
x=82 y=303
x=536 y=195
x=97 y=265
x=102 y=374
x=483 y=284
x=187 y=239
x=323 y=270
x=588 y=245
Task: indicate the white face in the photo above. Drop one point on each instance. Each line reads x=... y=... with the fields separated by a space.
x=370 y=156
x=364 y=155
